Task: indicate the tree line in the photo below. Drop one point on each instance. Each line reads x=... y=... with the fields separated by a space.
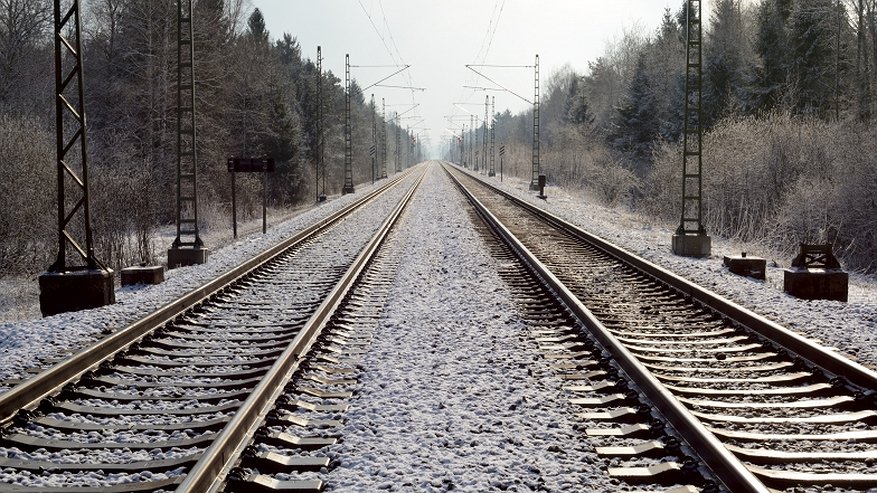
x=789 y=103
x=255 y=96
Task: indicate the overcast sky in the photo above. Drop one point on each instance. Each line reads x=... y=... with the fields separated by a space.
x=439 y=37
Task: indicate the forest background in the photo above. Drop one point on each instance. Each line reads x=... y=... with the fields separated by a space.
x=790 y=145
x=790 y=149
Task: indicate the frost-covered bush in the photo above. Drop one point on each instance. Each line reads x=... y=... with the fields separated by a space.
x=782 y=181
x=582 y=160
x=27 y=186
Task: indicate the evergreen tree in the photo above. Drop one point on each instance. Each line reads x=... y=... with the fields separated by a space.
x=256 y=25
x=815 y=55
x=774 y=53
x=724 y=62
x=637 y=122
x=576 y=107
x=602 y=88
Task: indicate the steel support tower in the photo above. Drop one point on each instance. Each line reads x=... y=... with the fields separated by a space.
x=492 y=170
x=374 y=149
x=187 y=248
x=690 y=238
x=398 y=142
x=348 y=138
x=320 y=168
x=484 y=145
x=534 y=179
x=93 y=285
x=463 y=145
x=383 y=138
x=471 y=140
x=477 y=148
x=407 y=161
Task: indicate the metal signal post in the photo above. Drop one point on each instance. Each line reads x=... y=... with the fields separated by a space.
x=92 y=285
x=187 y=248
x=691 y=239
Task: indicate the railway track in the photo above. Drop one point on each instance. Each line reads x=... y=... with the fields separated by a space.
x=173 y=401
x=760 y=406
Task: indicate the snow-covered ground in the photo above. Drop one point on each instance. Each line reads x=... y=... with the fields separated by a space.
x=449 y=399
x=850 y=327
x=444 y=398
x=35 y=343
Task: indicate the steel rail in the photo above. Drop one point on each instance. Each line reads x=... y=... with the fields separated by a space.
x=209 y=473
x=29 y=393
x=834 y=363
x=723 y=463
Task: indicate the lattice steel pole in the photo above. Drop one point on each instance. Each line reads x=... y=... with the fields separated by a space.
x=92 y=286
x=471 y=131
x=187 y=248
x=374 y=149
x=462 y=144
x=492 y=170
x=534 y=179
x=398 y=142
x=690 y=238
x=475 y=156
x=384 y=138
x=320 y=168
x=486 y=134
x=348 y=138
x=407 y=160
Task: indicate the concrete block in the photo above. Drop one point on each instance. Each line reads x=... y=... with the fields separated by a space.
x=184 y=257
x=75 y=290
x=742 y=265
x=816 y=283
x=142 y=274
x=692 y=245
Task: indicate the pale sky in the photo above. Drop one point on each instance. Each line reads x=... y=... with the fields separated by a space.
x=439 y=37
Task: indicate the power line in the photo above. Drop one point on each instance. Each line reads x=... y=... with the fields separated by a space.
x=487 y=34
x=400 y=61
x=377 y=31
x=495 y=26
x=492 y=27
x=393 y=42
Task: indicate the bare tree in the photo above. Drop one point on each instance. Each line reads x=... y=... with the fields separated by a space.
x=24 y=27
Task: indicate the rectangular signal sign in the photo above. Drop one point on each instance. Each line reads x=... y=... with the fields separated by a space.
x=250 y=165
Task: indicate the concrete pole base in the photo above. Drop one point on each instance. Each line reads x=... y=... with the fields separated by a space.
x=75 y=290
x=142 y=274
x=184 y=257
x=816 y=283
x=347 y=189
x=692 y=245
x=754 y=267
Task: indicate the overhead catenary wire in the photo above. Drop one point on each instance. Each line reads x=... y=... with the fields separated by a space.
x=394 y=53
x=482 y=53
